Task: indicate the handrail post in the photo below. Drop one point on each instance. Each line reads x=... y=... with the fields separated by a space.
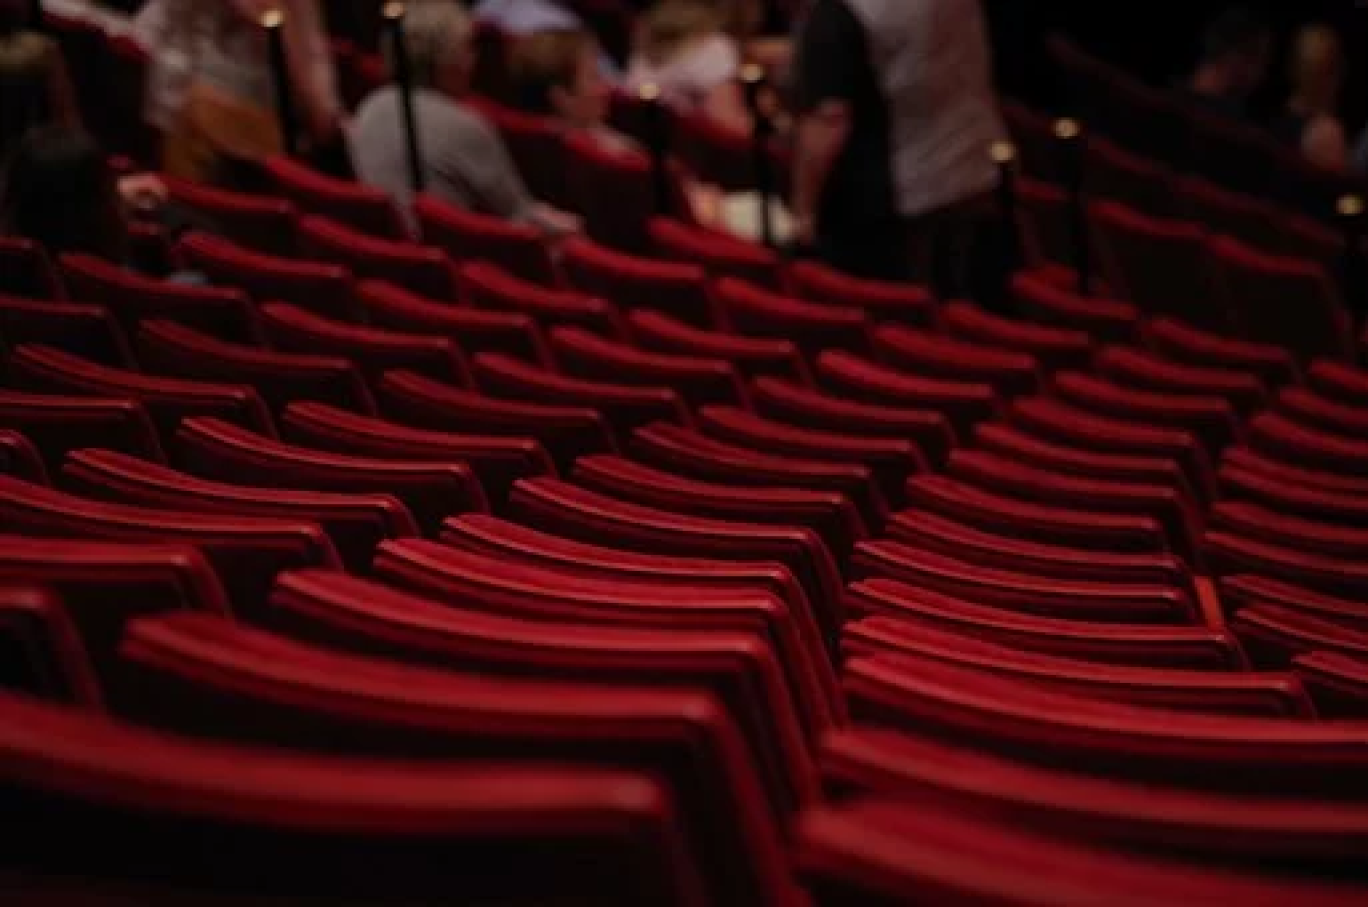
x=762 y=131
x=1072 y=146
x=1004 y=156
x=658 y=143
x=393 y=15
x=273 y=21
x=1353 y=275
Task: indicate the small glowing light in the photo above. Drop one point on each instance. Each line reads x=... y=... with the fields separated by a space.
x=1351 y=206
x=1002 y=152
x=273 y=18
x=393 y=11
x=752 y=73
x=1067 y=128
x=650 y=91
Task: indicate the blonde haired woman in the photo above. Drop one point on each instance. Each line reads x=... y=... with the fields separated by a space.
x=1311 y=121
x=691 y=50
x=212 y=87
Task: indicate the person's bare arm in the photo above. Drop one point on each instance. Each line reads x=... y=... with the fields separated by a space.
x=818 y=140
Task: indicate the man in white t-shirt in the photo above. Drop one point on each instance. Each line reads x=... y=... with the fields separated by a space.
x=897 y=113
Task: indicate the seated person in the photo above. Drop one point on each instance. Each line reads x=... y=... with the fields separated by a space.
x=1237 y=49
x=689 y=50
x=35 y=89
x=1310 y=122
x=553 y=75
x=523 y=17
x=464 y=161
x=59 y=191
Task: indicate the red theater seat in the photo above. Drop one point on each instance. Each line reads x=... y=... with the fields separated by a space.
x=360 y=207
x=468 y=236
x=326 y=289
x=88 y=331
x=419 y=269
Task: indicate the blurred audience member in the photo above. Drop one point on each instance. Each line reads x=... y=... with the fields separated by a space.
x=1310 y=122
x=59 y=190
x=1237 y=49
x=211 y=87
x=554 y=74
x=464 y=161
x=689 y=50
x=34 y=87
x=524 y=17
x=893 y=178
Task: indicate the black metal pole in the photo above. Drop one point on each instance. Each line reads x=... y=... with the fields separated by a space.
x=1004 y=155
x=1071 y=144
x=1354 y=275
x=273 y=21
x=658 y=142
x=762 y=130
x=403 y=77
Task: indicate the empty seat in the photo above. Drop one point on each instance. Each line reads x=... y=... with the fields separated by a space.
x=567 y=432
x=1270 y=693
x=1066 y=424
x=937 y=356
x=1273 y=635
x=943 y=535
x=1312 y=536
x=1144 y=370
x=890 y=460
x=1286 y=301
x=59 y=424
x=1339 y=381
x=884 y=301
x=1112 y=172
x=566 y=510
x=1210 y=419
x=1244 y=460
x=373 y=350
x=830 y=514
x=1228 y=553
x=1062 y=526
x=264 y=223
x=516 y=833
x=1243 y=590
x=688 y=452
x=419 y=269
x=963 y=403
x=1052 y=347
x=475 y=330
x=1310 y=408
x=885 y=853
x=360 y=207
x=326 y=289
x=625 y=405
x=88 y=331
x=132 y=299
x=739 y=666
x=487 y=287
x=41 y=654
x=684 y=738
x=720 y=254
x=1183 y=343
x=1338 y=683
x=813 y=326
x=1103 y=319
x=1250 y=833
x=246 y=551
x=1270 y=756
x=1283 y=493
x=471 y=236
x=498 y=462
x=1159 y=264
x=1077 y=600
x=19 y=458
x=355 y=522
x=786 y=401
x=1027 y=449
x=749 y=355
x=226 y=453
x=280 y=378
x=614 y=191
x=167 y=400
x=630 y=282
x=700 y=381
x=1283 y=438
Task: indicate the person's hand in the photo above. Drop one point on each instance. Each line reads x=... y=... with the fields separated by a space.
x=142 y=192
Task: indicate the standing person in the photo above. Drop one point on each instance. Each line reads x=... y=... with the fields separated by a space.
x=464 y=161
x=211 y=86
x=1310 y=122
x=896 y=115
x=1237 y=49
